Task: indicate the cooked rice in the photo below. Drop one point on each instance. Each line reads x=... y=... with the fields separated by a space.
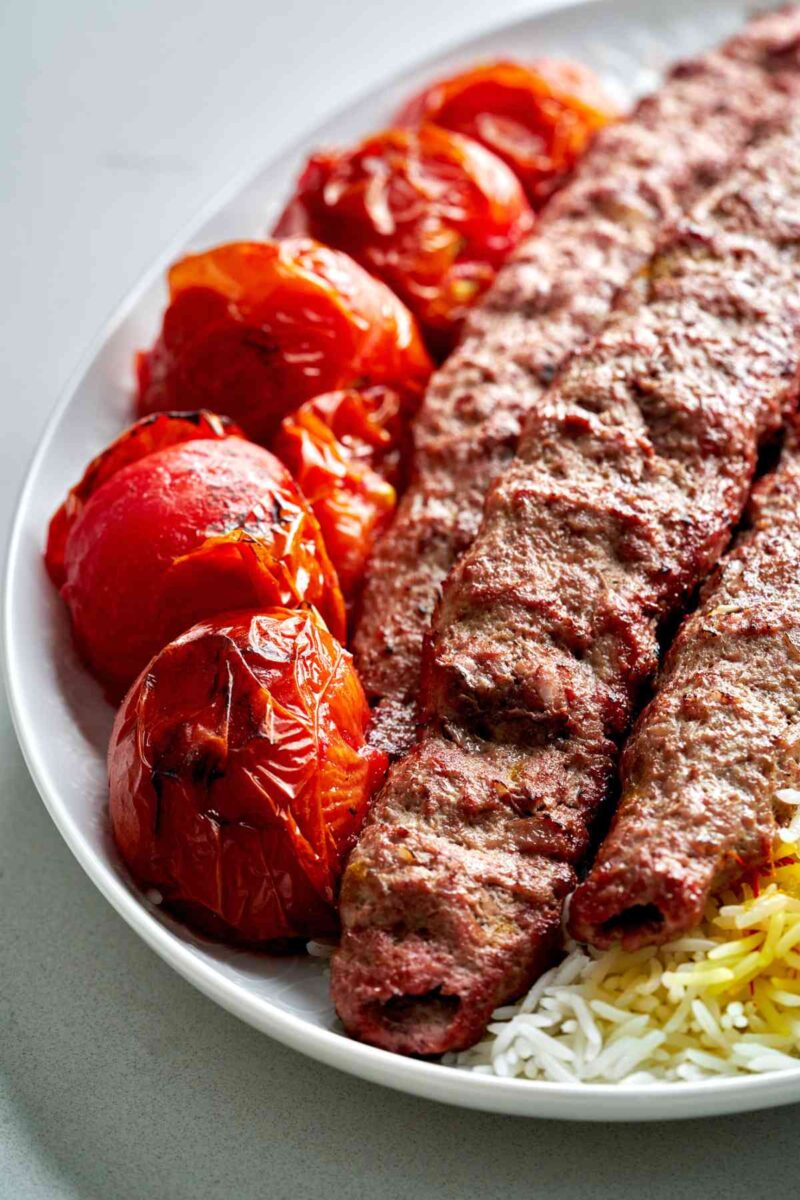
x=322 y=950
x=723 y=1001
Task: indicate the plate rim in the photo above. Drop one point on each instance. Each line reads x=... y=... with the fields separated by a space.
x=522 y=1097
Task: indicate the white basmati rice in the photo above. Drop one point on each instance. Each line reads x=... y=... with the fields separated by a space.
x=320 y=949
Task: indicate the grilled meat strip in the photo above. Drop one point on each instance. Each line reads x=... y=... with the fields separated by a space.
x=547 y=301
x=630 y=474
x=704 y=771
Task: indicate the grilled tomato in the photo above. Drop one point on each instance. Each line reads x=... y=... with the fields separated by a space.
x=145 y=546
x=539 y=118
x=431 y=213
x=254 y=329
x=332 y=445
x=239 y=775
x=143 y=438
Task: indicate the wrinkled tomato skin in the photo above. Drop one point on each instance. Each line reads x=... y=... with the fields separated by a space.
x=538 y=118
x=254 y=329
x=143 y=438
x=329 y=445
x=370 y=424
x=239 y=775
x=431 y=213
x=187 y=531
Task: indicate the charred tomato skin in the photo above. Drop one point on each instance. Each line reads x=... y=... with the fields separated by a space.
x=431 y=213
x=239 y=775
x=538 y=117
x=254 y=329
x=189 y=530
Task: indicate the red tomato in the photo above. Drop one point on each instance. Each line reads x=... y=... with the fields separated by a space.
x=538 y=118
x=368 y=422
x=431 y=213
x=143 y=438
x=239 y=775
x=185 y=532
x=329 y=445
x=254 y=329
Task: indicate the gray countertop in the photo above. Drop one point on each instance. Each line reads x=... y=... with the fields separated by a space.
x=119 y=1081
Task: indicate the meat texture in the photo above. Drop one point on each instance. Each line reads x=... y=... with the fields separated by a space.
x=716 y=754
x=554 y=294
x=630 y=474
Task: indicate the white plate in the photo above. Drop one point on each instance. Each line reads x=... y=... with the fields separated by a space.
x=63 y=723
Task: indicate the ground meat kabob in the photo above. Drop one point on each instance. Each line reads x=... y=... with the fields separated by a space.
x=712 y=767
x=629 y=477
x=553 y=295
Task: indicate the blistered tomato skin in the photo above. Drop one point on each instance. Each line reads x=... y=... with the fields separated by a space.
x=239 y=775
x=142 y=438
x=194 y=529
x=431 y=213
x=254 y=329
x=539 y=118
x=330 y=445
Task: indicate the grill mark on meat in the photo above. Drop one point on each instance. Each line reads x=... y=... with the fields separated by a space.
x=716 y=743
x=629 y=478
x=554 y=295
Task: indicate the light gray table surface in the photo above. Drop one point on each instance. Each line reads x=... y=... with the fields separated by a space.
x=118 y=121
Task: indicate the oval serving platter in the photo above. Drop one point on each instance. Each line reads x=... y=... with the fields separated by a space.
x=62 y=721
